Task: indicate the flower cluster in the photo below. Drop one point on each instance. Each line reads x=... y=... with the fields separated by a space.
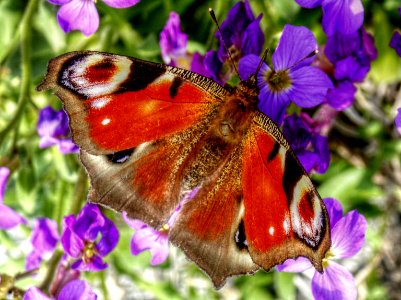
x=348 y=237
x=53 y=129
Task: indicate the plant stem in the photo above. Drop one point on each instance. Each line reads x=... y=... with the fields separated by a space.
x=25 y=32
x=79 y=192
x=52 y=267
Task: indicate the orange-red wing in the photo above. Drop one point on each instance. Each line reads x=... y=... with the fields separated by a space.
x=284 y=215
x=116 y=102
x=209 y=227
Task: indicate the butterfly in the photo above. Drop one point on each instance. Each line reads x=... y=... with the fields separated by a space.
x=148 y=133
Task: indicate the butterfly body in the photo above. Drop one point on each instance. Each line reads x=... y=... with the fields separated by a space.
x=149 y=134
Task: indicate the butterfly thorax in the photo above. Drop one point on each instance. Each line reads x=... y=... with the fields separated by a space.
x=236 y=113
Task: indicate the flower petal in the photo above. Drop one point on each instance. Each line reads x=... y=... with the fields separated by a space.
x=273 y=105
x=397 y=120
x=143 y=239
x=309 y=3
x=121 y=3
x=308 y=159
x=345 y=16
x=79 y=15
x=58 y=2
x=9 y=218
x=247 y=67
x=33 y=293
x=334 y=209
x=71 y=242
x=348 y=235
x=295 y=44
x=4 y=173
x=77 y=290
x=253 y=38
x=67 y=146
x=336 y=283
x=297 y=265
x=309 y=86
x=109 y=239
x=89 y=222
x=395 y=42
x=341 y=96
x=321 y=146
x=160 y=250
x=173 y=42
x=350 y=69
x=95 y=264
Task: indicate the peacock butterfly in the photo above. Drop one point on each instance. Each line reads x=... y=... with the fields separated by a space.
x=149 y=133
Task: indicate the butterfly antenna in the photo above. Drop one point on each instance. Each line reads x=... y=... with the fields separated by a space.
x=313 y=53
x=211 y=12
x=262 y=60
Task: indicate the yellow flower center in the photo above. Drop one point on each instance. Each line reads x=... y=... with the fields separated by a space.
x=89 y=252
x=278 y=81
x=165 y=228
x=329 y=255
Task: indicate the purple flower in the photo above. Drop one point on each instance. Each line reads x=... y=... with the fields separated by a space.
x=351 y=56
x=395 y=42
x=173 y=43
x=311 y=148
x=8 y=217
x=198 y=65
x=82 y=14
x=74 y=290
x=293 y=79
x=339 y=16
x=348 y=237
x=156 y=241
x=397 y=120
x=242 y=34
x=53 y=129
x=44 y=240
x=80 y=238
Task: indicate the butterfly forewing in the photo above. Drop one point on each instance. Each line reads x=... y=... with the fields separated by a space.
x=116 y=102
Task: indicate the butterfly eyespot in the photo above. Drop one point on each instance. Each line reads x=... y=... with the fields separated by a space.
x=121 y=156
x=240 y=238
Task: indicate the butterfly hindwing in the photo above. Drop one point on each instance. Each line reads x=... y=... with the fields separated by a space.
x=284 y=215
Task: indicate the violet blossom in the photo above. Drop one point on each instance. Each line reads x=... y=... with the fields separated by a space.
x=82 y=14
x=74 y=290
x=351 y=56
x=53 y=129
x=311 y=148
x=293 y=79
x=156 y=241
x=347 y=237
x=80 y=238
x=242 y=34
x=8 y=217
x=395 y=41
x=173 y=43
x=44 y=240
x=339 y=16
